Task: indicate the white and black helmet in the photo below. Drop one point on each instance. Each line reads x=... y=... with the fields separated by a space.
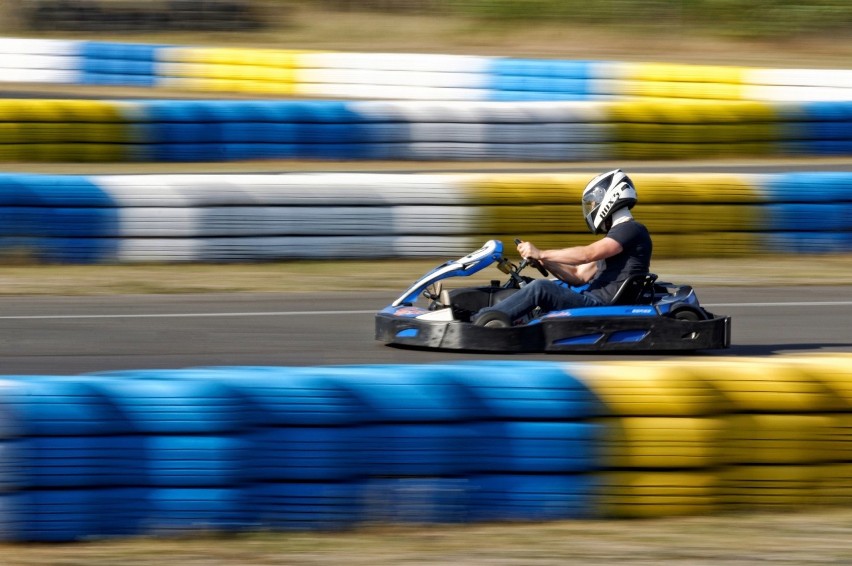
x=605 y=194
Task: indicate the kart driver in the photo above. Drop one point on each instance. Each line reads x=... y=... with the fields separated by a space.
x=604 y=264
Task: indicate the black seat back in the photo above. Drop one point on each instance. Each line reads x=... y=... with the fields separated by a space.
x=636 y=290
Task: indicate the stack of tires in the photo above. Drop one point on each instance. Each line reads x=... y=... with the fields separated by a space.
x=57 y=219
x=661 y=442
x=70 y=462
x=194 y=450
x=417 y=446
x=835 y=373
x=536 y=442
x=779 y=433
x=328 y=448
x=304 y=468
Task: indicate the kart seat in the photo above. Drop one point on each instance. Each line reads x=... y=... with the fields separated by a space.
x=636 y=290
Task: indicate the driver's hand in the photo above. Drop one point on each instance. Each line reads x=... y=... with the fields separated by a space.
x=528 y=251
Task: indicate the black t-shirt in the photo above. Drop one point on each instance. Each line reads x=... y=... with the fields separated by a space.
x=634 y=259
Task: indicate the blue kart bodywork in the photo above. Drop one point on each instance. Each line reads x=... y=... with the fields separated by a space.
x=646 y=316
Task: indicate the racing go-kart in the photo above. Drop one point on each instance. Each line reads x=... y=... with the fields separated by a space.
x=644 y=315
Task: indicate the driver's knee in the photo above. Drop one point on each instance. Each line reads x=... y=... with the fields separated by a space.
x=540 y=287
x=545 y=294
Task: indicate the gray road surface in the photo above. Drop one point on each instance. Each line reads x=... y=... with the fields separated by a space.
x=71 y=335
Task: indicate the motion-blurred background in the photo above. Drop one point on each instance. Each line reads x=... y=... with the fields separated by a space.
x=245 y=131
x=750 y=102
x=727 y=18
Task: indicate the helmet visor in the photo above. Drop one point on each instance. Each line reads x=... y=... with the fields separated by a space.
x=592 y=199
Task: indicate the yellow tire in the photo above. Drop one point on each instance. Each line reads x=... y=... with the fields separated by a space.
x=657 y=494
x=750 y=487
x=778 y=439
x=661 y=442
x=661 y=390
x=754 y=386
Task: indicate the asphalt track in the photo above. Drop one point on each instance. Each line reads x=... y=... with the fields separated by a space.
x=73 y=335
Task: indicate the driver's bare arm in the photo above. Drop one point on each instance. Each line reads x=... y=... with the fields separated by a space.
x=580 y=255
x=573 y=275
x=587 y=271
x=576 y=265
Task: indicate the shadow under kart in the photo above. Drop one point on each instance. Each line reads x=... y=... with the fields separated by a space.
x=645 y=315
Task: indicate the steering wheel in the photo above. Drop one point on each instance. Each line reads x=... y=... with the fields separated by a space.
x=529 y=261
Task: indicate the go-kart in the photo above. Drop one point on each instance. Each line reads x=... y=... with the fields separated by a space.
x=644 y=315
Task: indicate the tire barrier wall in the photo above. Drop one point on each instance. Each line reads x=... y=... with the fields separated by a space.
x=256 y=217
x=43 y=130
x=286 y=448
x=402 y=76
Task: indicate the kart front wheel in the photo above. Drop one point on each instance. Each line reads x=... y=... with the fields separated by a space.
x=687 y=314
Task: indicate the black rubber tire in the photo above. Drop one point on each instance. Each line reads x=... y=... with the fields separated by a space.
x=493 y=319
x=687 y=314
